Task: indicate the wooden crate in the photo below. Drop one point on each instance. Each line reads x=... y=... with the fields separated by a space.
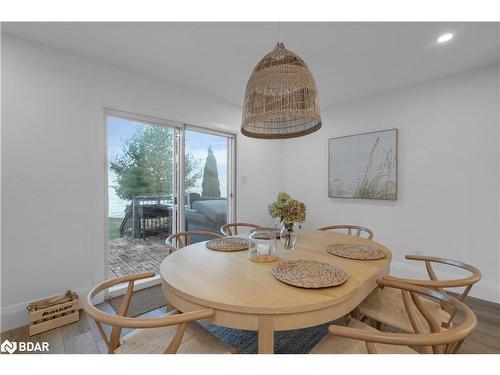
x=53 y=312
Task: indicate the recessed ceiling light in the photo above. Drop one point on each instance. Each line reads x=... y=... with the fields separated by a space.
x=445 y=38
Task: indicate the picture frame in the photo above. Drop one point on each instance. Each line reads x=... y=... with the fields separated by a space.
x=364 y=165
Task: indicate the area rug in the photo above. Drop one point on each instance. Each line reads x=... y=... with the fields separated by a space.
x=143 y=301
x=297 y=341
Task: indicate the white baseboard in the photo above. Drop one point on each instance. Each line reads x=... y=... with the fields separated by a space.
x=484 y=289
x=15 y=316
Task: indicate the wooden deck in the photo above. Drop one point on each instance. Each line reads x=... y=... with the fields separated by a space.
x=129 y=255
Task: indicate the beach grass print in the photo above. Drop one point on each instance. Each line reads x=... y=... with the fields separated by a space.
x=364 y=166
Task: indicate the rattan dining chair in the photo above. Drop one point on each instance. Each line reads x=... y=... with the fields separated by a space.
x=181 y=239
x=385 y=305
x=360 y=338
x=350 y=228
x=231 y=229
x=170 y=333
x=170 y=248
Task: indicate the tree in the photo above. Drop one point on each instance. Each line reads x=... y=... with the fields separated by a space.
x=210 y=182
x=145 y=167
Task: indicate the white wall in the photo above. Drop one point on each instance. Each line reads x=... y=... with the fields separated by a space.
x=53 y=176
x=448 y=195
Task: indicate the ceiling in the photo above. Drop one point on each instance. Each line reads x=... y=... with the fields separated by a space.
x=348 y=60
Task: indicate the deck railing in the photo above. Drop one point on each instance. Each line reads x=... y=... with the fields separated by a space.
x=153 y=214
x=148 y=214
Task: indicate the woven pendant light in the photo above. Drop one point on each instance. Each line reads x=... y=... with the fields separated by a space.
x=281 y=98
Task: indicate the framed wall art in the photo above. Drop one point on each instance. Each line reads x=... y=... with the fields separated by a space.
x=363 y=166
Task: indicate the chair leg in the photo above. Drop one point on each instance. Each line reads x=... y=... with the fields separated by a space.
x=170 y=307
x=375 y=324
x=356 y=314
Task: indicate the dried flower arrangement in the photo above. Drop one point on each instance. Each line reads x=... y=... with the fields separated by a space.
x=287 y=209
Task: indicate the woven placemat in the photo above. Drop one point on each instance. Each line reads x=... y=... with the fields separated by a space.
x=355 y=251
x=309 y=274
x=228 y=244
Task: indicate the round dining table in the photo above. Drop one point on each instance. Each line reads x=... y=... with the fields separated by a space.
x=245 y=295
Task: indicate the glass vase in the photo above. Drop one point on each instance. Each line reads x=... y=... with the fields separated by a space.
x=262 y=247
x=288 y=235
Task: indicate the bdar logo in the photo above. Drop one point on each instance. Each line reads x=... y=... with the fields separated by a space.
x=21 y=346
x=8 y=347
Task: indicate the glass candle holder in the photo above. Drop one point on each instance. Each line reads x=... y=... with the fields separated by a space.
x=262 y=247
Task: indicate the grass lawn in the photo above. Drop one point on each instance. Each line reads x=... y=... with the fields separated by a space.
x=114 y=227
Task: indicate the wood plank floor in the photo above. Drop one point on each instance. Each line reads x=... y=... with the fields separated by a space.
x=83 y=337
x=486 y=337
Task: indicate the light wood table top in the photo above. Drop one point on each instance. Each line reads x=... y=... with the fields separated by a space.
x=246 y=295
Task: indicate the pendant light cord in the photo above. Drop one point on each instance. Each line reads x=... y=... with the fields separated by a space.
x=279 y=43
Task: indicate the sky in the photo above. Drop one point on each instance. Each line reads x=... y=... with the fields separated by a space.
x=196 y=143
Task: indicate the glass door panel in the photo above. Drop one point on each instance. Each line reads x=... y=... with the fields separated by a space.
x=207 y=169
x=141 y=194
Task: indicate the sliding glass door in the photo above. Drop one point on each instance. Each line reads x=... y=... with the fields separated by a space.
x=150 y=161
x=207 y=181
